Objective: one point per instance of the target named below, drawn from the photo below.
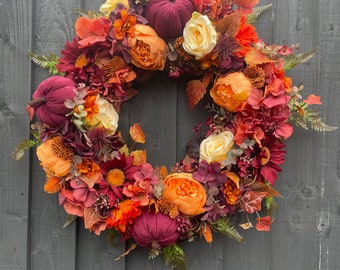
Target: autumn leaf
(261, 187)
(313, 99)
(256, 57)
(90, 217)
(247, 225)
(251, 201)
(137, 133)
(229, 24)
(195, 92)
(263, 223)
(246, 6)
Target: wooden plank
(51, 246)
(328, 218)
(15, 29)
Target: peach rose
(148, 50)
(55, 157)
(185, 192)
(231, 91)
(215, 147)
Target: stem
(37, 101)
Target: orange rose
(185, 192)
(55, 157)
(231, 91)
(148, 50)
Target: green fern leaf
(318, 125)
(223, 226)
(175, 257)
(19, 151)
(299, 120)
(70, 219)
(295, 59)
(47, 62)
(271, 205)
(251, 19)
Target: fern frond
(251, 19)
(299, 120)
(295, 59)
(153, 254)
(175, 257)
(19, 150)
(223, 226)
(318, 125)
(271, 205)
(70, 219)
(47, 62)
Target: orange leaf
(195, 92)
(246, 226)
(139, 157)
(246, 6)
(261, 187)
(137, 133)
(313, 99)
(207, 79)
(90, 217)
(256, 57)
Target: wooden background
(306, 231)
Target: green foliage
(70, 219)
(175, 257)
(19, 150)
(295, 59)
(271, 205)
(310, 118)
(251, 19)
(223, 226)
(47, 62)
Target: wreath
(234, 156)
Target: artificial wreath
(235, 155)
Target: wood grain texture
(51, 246)
(15, 23)
(306, 231)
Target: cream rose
(107, 117)
(215, 147)
(200, 36)
(110, 5)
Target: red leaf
(246, 5)
(90, 217)
(195, 92)
(251, 201)
(263, 223)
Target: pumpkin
(154, 230)
(168, 17)
(49, 100)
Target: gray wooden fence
(306, 232)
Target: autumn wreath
(231, 164)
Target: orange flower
(137, 133)
(124, 215)
(231, 91)
(231, 192)
(148, 50)
(246, 36)
(125, 25)
(185, 192)
(232, 188)
(206, 232)
(53, 184)
(91, 30)
(55, 157)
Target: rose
(110, 5)
(215, 147)
(107, 117)
(55, 157)
(231, 91)
(186, 193)
(148, 50)
(199, 35)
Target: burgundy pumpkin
(154, 230)
(168, 17)
(49, 100)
